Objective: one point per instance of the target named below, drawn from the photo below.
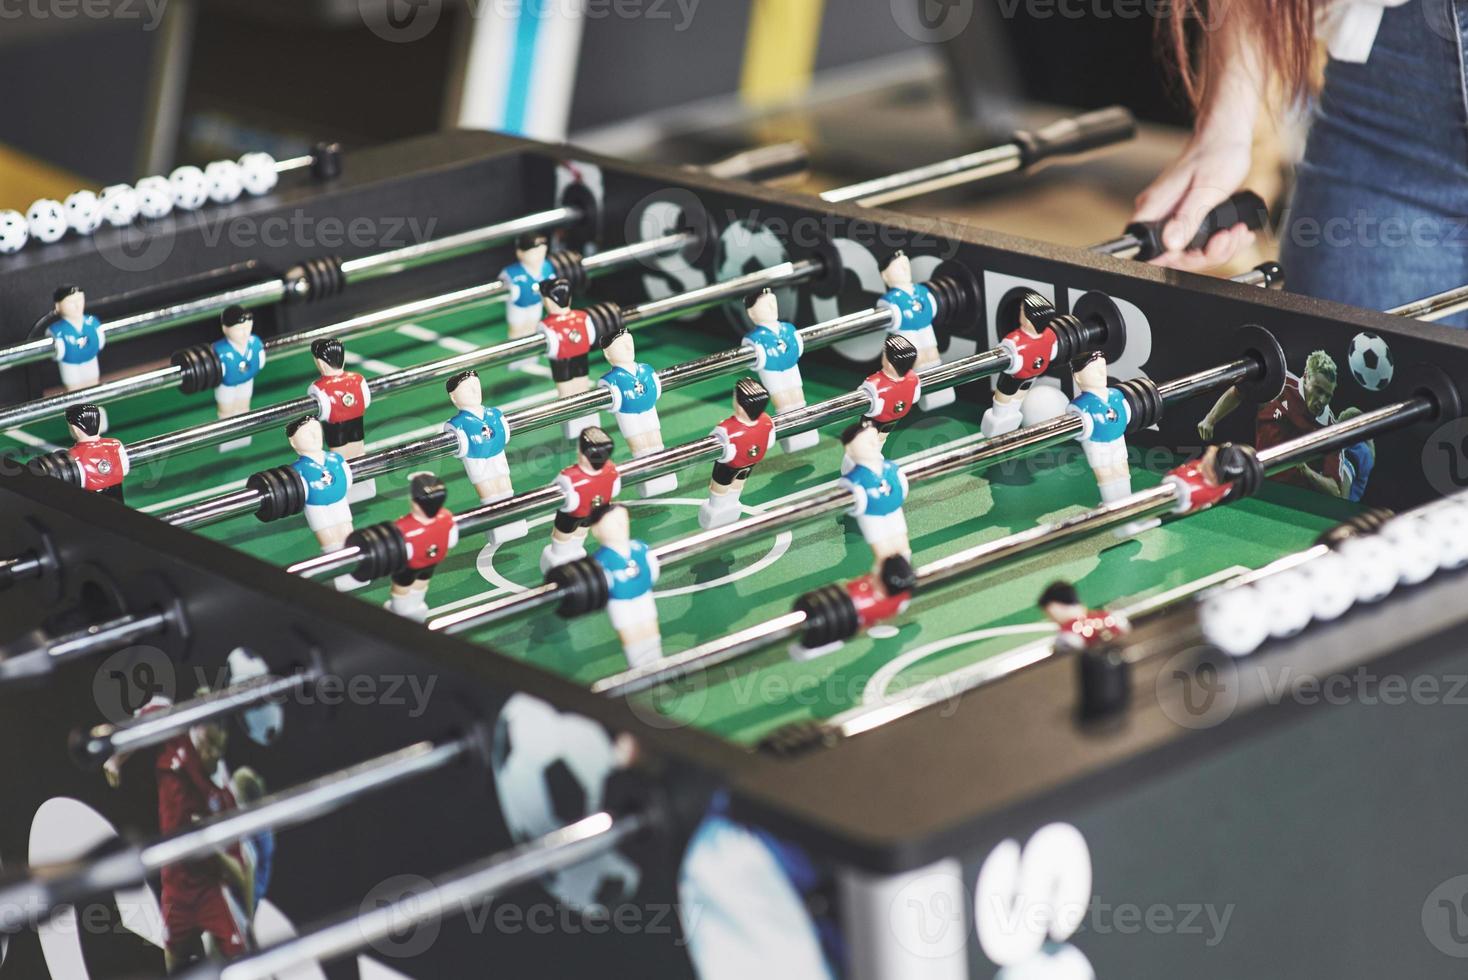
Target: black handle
(763, 163)
(1078, 134)
(1243, 206)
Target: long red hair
(1283, 29)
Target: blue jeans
(1379, 215)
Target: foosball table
(653, 571)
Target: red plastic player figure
(589, 483)
(895, 388)
(746, 436)
(884, 593)
(569, 335)
(1080, 628)
(342, 398)
(1032, 346)
(1207, 480)
(430, 533)
(102, 461)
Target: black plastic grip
(282, 493)
(1077, 134)
(583, 587)
(569, 265)
(383, 551)
(199, 369)
(315, 279)
(830, 616)
(57, 465)
(1243, 206)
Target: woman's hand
(1212, 167)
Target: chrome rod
(103, 637)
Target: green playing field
(951, 627)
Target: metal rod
(966, 169)
(675, 458)
(1438, 306)
(103, 637)
(1341, 434)
(275, 290)
(452, 894)
(94, 746)
(387, 460)
(155, 380)
(20, 568)
(308, 801)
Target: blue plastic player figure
(77, 338)
(777, 350)
(1104, 415)
(241, 358)
(916, 309)
(482, 435)
(327, 479)
(879, 488)
(635, 390)
(523, 278)
(631, 572)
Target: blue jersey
(1104, 419)
(78, 344)
(239, 368)
(634, 391)
(480, 436)
(1362, 461)
(877, 494)
(264, 844)
(326, 482)
(525, 285)
(630, 576)
(777, 348)
(917, 307)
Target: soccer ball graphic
(1371, 361)
(226, 183)
(47, 220)
(84, 212)
(190, 189)
(257, 172)
(14, 232)
(119, 205)
(549, 770)
(155, 197)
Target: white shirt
(1349, 27)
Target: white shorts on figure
(227, 396)
(638, 423)
(1105, 455)
(330, 515)
(484, 470)
(79, 375)
(881, 527)
(631, 613)
(785, 380)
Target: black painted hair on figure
(64, 292)
(235, 315)
(1061, 592)
(294, 427)
(329, 351)
(428, 492)
(597, 513)
(752, 396)
(558, 291)
(1037, 309)
(900, 352)
(595, 445)
(615, 335)
(856, 429)
(897, 574)
(754, 298)
(1085, 359)
(459, 379)
(531, 239)
(87, 418)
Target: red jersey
(428, 544)
(872, 605)
(342, 397)
(1029, 357)
(1287, 418)
(1091, 630)
(567, 335)
(187, 794)
(103, 463)
(891, 400)
(1195, 493)
(745, 445)
(586, 491)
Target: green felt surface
(960, 623)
